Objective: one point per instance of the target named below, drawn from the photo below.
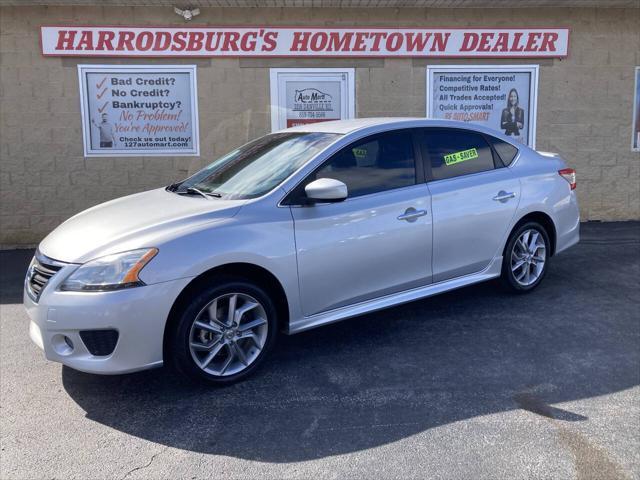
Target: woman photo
(512, 120)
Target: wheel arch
(246, 271)
(543, 219)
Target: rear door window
(456, 152)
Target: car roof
(379, 124)
(351, 125)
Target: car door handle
(503, 196)
(411, 214)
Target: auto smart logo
(312, 99)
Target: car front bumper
(138, 315)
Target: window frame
(297, 198)
(422, 141)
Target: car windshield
(257, 167)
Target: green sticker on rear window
(462, 156)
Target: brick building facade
(584, 101)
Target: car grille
(39, 274)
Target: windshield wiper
(192, 190)
(197, 191)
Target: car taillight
(569, 174)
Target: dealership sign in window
(635, 141)
(503, 98)
(311, 95)
(138, 110)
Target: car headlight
(113, 272)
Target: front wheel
(524, 263)
(225, 332)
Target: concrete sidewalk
(470, 384)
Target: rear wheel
(225, 332)
(525, 259)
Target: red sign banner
(140, 41)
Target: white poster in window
(503, 98)
(139, 110)
(311, 95)
(635, 141)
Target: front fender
(260, 236)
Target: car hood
(135, 221)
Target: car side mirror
(326, 190)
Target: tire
(208, 350)
(527, 276)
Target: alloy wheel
(528, 257)
(228, 334)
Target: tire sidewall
(508, 277)
(180, 351)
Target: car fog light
(62, 344)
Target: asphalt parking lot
(471, 384)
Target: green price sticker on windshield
(462, 156)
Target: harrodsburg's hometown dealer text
(269, 41)
(139, 110)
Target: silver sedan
(294, 230)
